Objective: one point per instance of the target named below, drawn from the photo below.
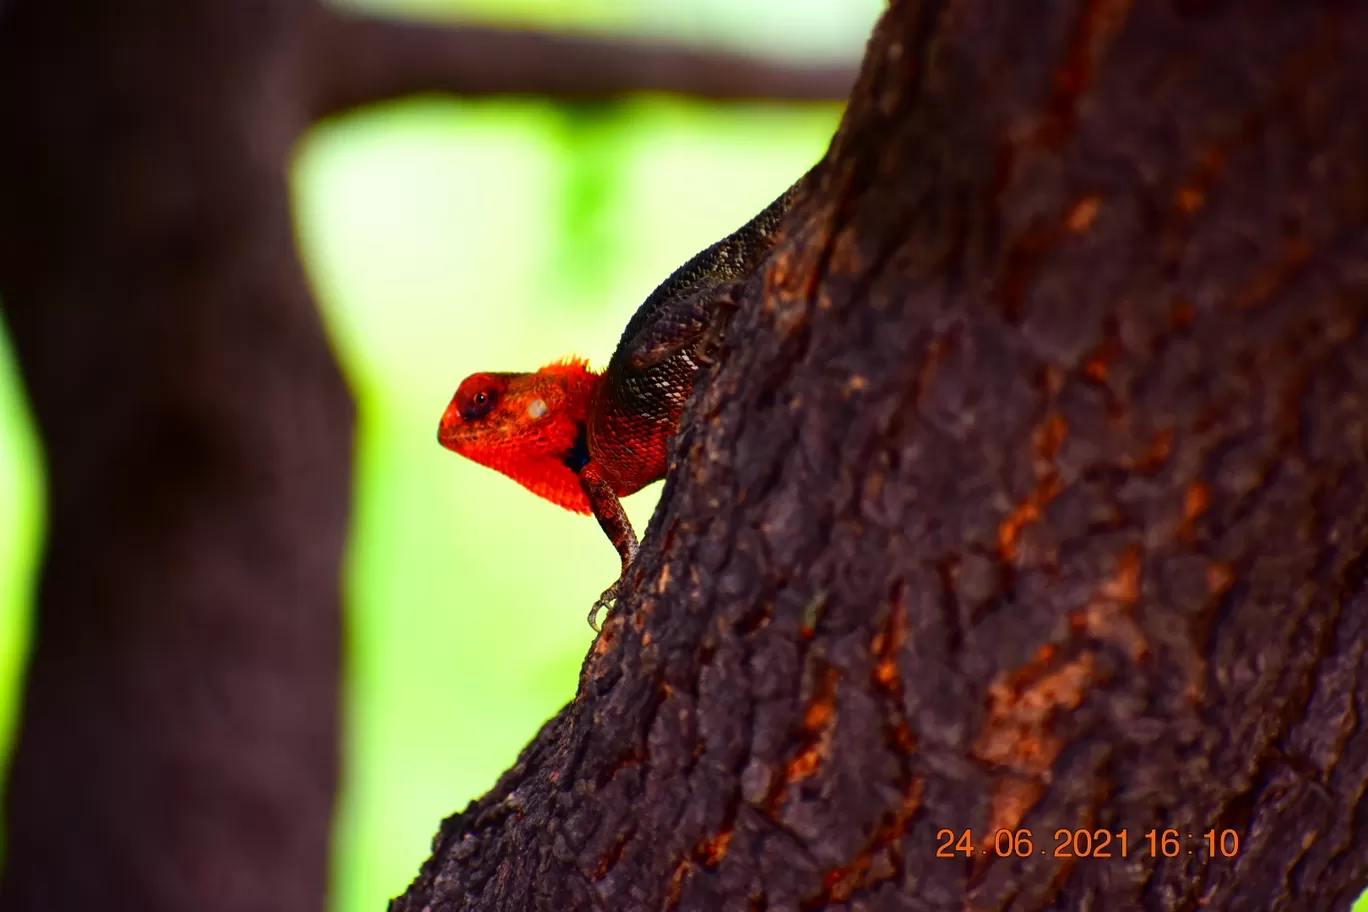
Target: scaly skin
(582, 439)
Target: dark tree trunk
(179, 731)
(1032, 498)
(178, 747)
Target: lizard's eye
(478, 395)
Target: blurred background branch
(357, 59)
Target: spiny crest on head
(570, 365)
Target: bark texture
(1031, 500)
(178, 741)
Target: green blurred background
(444, 237)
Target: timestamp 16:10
(1087, 844)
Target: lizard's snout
(448, 428)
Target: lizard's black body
(636, 408)
(677, 311)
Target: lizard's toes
(605, 603)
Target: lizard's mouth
(449, 430)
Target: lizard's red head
(530, 427)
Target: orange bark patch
(1049, 438)
(780, 270)
(874, 483)
(814, 736)
(790, 283)
(1053, 380)
(614, 855)
(886, 674)
(1210, 168)
(932, 359)
(1012, 798)
(888, 642)
(1124, 587)
(1009, 532)
(1097, 26)
(1025, 252)
(604, 643)
(823, 708)
(1010, 529)
(1083, 213)
(904, 739)
(804, 765)
(1195, 503)
(1109, 613)
(712, 850)
(865, 869)
(1220, 577)
(1100, 361)
(1153, 459)
(677, 878)
(1021, 706)
(887, 645)
(1190, 199)
(1046, 442)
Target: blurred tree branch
(358, 60)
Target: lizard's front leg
(603, 500)
(693, 321)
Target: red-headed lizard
(583, 439)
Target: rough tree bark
(1032, 496)
(179, 734)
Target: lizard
(583, 439)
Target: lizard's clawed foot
(605, 603)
